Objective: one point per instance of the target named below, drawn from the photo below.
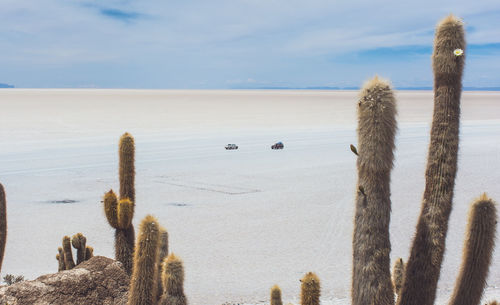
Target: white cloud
(231, 38)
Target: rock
(99, 281)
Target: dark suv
(278, 145)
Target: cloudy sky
(199, 44)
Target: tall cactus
(143, 285)
(424, 265)
(173, 282)
(371, 243)
(276, 295)
(120, 212)
(310, 289)
(478, 249)
(3, 224)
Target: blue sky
(198, 44)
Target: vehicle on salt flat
(278, 145)
(231, 146)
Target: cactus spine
(398, 275)
(3, 224)
(173, 282)
(143, 285)
(276, 295)
(310, 289)
(120, 212)
(478, 249)
(371, 244)
(424, 265)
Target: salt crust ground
(241, 220)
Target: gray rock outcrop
(98, 281)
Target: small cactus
(89, 252)
(276, 295)
(143, 285)
(69, 263)
(79, 243)
(60, 259)
(398, 274)
(173, 282)
(310, 289)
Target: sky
(216, 44)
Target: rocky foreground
(99, 281)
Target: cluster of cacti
(3, 223)
(156, 277)
(416, 282)
(65, 255)
(120, 212)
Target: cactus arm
(478, 249)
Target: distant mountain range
(357, 88)
(6, 86)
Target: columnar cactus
(424, 265)
(79, 243)
(69, 263)
(161, 257)
(478, 249)
(60, 260)
(173, 282)
(371, 244)
(276, 295)
(89, 252)
(310, 289)
(3, 224)
(398, 275)
(127, 167)
(120, 212)
(143, 284)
